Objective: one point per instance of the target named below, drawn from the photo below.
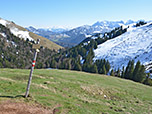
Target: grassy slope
(77, 92)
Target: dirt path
(10, 107)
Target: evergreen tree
(136, 71)
(112, 73)
(104, 70)
(62, 65)
(88, 59)
(146, 81)
(53, 63)
(127, 70)
(131, 70)
(123, 72)
(99, 65)
(68, 65)
(77, 67)
(94, 69)
(141, 74)
(107, 65)
(118, 72)
(86, 67)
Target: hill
(73, 92)
(23, 33)
(18, 53)
(135, 44)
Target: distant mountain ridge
(70, 38)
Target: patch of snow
(87, 36)
(65, 35)
(85, 43)
(81, 60)
(2, 55)
(21, 34)
(3, 34)
(36, 32)
(94, 37)
(96, 32)
(3, 22)
(101, 35)
(13, 43)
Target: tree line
(133, 72)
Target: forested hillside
(81, 56)
(18, 53)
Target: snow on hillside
(14, 30)
(3, 22)
(3, 34)
(21, 34)
(134, 44)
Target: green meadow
(73, 92)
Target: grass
(75, 92)
(45, 42)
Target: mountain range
(72, 37)
(116, 41)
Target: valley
(104, 73)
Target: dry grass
(11, 107)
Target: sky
(73, 13)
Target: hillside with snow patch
(135, 44)
(17, 32)
(24, 34)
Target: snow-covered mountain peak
(128, 22)
(56, 29)
(108, 23)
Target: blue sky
(48, 13)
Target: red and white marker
(33, 63)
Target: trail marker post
(36, 46)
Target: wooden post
(30, 76)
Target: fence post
(33, 65)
